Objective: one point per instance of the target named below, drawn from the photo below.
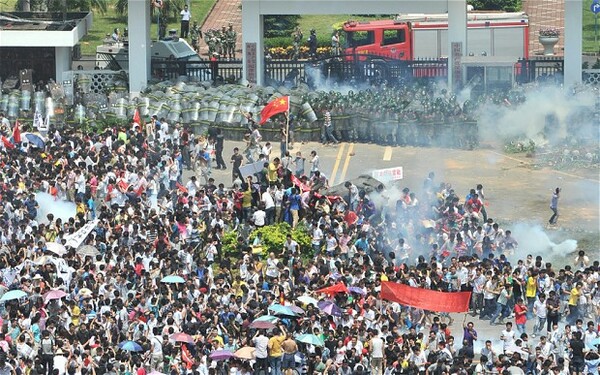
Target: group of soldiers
(221, 43)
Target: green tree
(280, 25)
(170, 7)
(64, 5)
(505, 5)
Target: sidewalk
(223, 13)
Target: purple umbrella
(258, 324)
(357, 290)
(220, 355)
(296, 309)
(330, 308)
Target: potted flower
(548, 38)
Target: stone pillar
(457, 38)
(63, 61)
(573, 41)
(138, 22)
(252, 42)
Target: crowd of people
(158, 295)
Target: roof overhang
(27, 29)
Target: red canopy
(337, 288)
(425, 299)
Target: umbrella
(182, 337)
(337, 288)
(267, 318)
(54, 294)
(330, 308)
(262, 325)
(309, 338)
(130, 346)
(221, 355)
(308, 300)
(35, 139)
(13, 294)
(596, 341)
(87, 251)
(173, 279)
(56, 248)
(357, 290)
(278, 309)
(43, 260)
(154, 372)
(247, 352)
(296, 309)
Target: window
(393, 36)
(360, 38)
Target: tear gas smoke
(48, 205)
(535, 241)
(547, 115)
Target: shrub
(273, 238)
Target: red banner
(424, 298)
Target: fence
(534, 69)
(197, 70)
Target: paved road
(514, 190)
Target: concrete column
(457, 33)
(63, 61)
(252, 42)
(138, 23)
(573, 41)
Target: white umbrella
(56, 248)
(308, 300)
(87, 251)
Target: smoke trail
(534, 240)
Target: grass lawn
(105, 23)
(589, 44)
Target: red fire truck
(416, 36)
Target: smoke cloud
(534, 240)
(548, 115)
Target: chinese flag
(7, 143)
(274, 107)
(17, 132)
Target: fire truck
(421, 36)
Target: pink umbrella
(182, 337)
(262, 325)
(54, 294)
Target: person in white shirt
(261, 353)
(259, 217)
(269, 203)
(508, 337)
(186, 15)
(376, 348)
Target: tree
(280, 25)
(505, 5)
(62, 5)
(170, 7)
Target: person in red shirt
(520, 315)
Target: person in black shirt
(576, 347)
(236, 160)
(219, 141)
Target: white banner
(388, 174)
(76, 239)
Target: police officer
(297, 38)
(195, 34)
(312, 43)
(230, 40)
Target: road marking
(346, 162)
(338, 159)
(387, 154)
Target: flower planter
(548, 42)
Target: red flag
(425, 299)
(17, 132)
(337, 288)
(296, 181)
(181, 188)
(187, 357)
(7, 143)
(136, 117)
(274, 107)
